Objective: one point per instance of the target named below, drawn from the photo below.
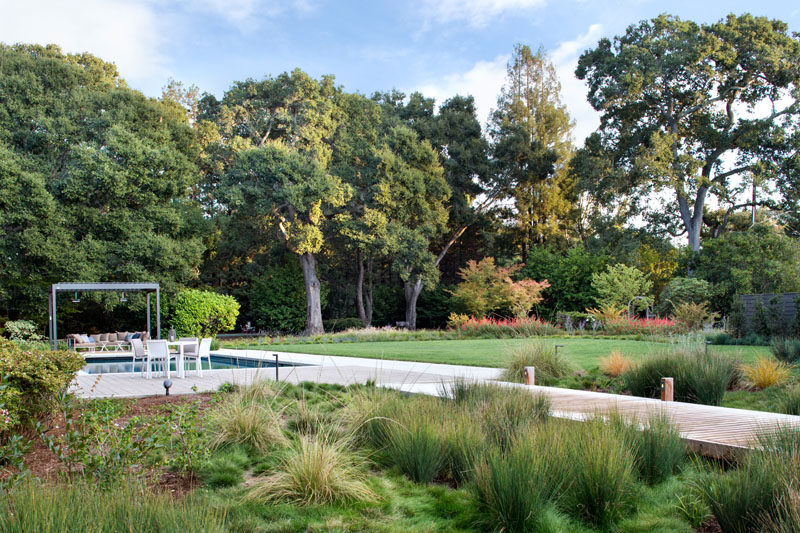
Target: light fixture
(122, 298)
(76, 300)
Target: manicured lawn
(584, 352)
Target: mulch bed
(44, 464)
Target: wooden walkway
(711, 431)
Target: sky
(438, 47)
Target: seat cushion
(103, 337)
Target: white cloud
(574, 91)
(485, 80)
(125, 32)
(477, 13)
(246, 13)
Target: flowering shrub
(33, 377)
(502, 328)
(642, 326)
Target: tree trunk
(412, 290)
(362, 314)
(313, 301)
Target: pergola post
(148, 314)
(55, 320)
(158, 313)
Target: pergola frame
(102, 287)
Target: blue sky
(440, 47)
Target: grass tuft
(550, 366)
(615, 364)
(316, 469)
(237, 421)
(766, 372)
(657, 447)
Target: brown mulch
(44, 464)
(710, 526)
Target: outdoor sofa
(105, 342)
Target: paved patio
(318, 368)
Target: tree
(620, 284)
(456, 136)
(692, 110)
(94, 178)
(285, 188)
(531, 130)
(272, 144)
(204, 313)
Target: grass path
(585, 353)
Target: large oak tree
(691, 111)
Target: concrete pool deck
(332, 369)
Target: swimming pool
(108, 364)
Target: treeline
(307, 202)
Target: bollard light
(707, 345)
(167, 385)
(558, 346)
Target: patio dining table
(181, 371)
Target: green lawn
(584, 352)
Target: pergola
(103, 287)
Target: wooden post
(667, 389)
(530, 375)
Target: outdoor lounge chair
(201, 350)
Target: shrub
(619, 284)
(513, 487)
(786, 350)
(550, 366)
(22, 330)
(606, 312)
(683, 290)
(699, 377)
(693, 315)
(204, 313)
(315, 470)
(335, 325)
(601, 471)
(657, 447)
(615, 364)
(486, 288)
(766, 372)
(241, 422)
(505, 328)
(33, 378)
(642, 326)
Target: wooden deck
(712, 431)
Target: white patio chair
(158, 351)
(203, 350)
(140, 355)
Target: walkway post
(530, 375)
(667, 389)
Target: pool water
(116, 365)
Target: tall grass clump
(237, 421)
(369, 415)
(790, 402)
(316, 469)
(699, 377)
(513, 487)
(786, 350)
(550, 366)
(33, 506)
(416, 443)
(766, 372)
(465, 446)
(601, 470)
(656, 445)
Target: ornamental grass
(766, 372)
